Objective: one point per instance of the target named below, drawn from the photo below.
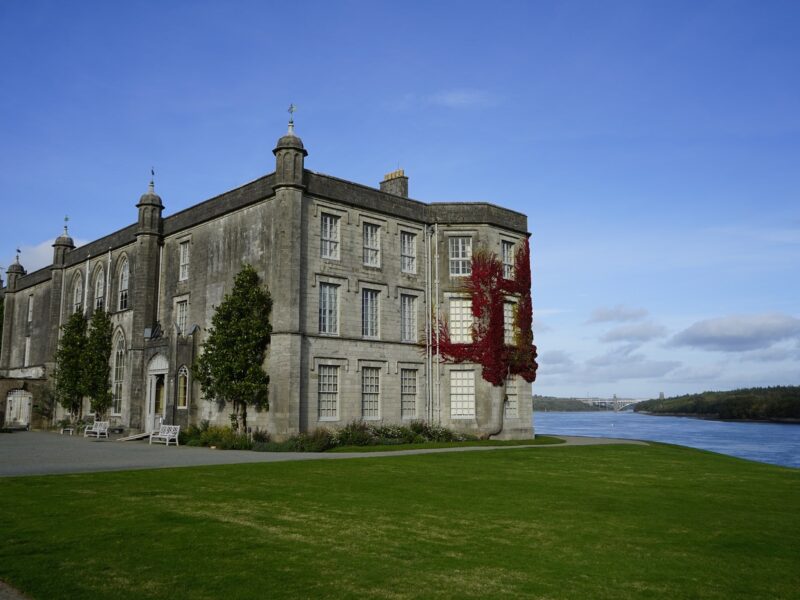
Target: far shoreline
(717, 418)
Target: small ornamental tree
(96, 364)
(229, 368)
(69, 374)
(488, 290)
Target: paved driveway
(46, 453)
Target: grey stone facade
(350, 358)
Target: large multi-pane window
(369, 313)
(408, 393)
(372, 245)
(508, 323)
(77, 296)
(124, 274)
(512, 397)
(508, 259)
(183, 387)
(408, 252)
(460, 256)
(182, 317)
(328, 391)
(183, 273)
(119, 376)
(462, 394)
(30, 308)
(461, 320)
(99, 289)
(328, 308)
(370, 392)
(408, 318)
(329, 235)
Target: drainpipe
(438, 346)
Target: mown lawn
(560, 522)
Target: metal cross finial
(292, 109)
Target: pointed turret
(289, 159)
(63, 244)
(14, 272)
(150, 209)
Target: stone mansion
(356, 275)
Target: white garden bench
(98, 429)
(166, 434)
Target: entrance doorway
(18, 408)
(156, 393)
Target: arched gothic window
(100, 289)
(77, 295)
(183, 387)
(119, 375)
(124, 274)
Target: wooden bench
(98, 429)
(166, 434)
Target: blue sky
(654, 146)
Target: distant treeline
(543, 403)
(758, 404)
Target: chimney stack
(395, 183)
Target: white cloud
(553, 362)
(37, 256)
(739, 333)
(617, 313)
(635, 332)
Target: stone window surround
(462, 404)
(412, 317)
(460, 233)
(176, 302)
(118, 371)
(184, 256)
(371, 244)
(329, 315)
(408, 258)
(383, 295)
(183, 374)
(334, 236)
(342, 365)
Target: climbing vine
(488, 290)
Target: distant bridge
(614, 403)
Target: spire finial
(152, 180)
(18, 253)
(292, 109)
(66, 220)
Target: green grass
(560, 522)
(539, 440)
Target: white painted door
(156, 402)
(18, 408)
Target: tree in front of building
(70, 385)
(489, 290)
(230, 367)
(96, 364)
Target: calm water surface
(773, 443)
